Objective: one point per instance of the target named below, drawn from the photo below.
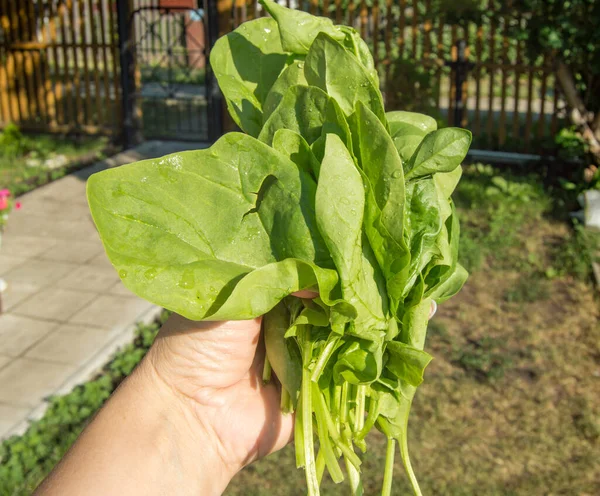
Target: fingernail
(433, 309)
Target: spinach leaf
(408, 130)
(298, 29)
(329, 66)
(407, 363)
(246, 63)
(303, 110)
(292, 75)
(440, 151)
(293, 145)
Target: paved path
(65, 310)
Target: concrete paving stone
(8, 262)
(54, 304)
(112, 312)
(10, 416)
(24, 246)
(70, 344)
(4, 360)
(101, 260)
(17, 333)
(15, 294)
(90, 278)
(75, 252)
(120, 289)
(39, 273)
(26, 382)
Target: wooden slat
(338, 11)
(364, 19)
(76, 75)
(452, 83)
(529, 117)
(8, 70)
(28, 73)
(314, 7)
(19, 86)
(86, 69)
(105, 49)
(502, 123)
(68, 83)
(492, 48)
(118, 113)
(326, 8)
(351, 12)
(401, 28)
(375, 16)
(58, 85)
(94, 35)
(414, 28)
(541, 123)
(427, 27)
(39, 79)
(388, 38)
(554, 123)
(466, 83)
(440, 59)
(516, 124)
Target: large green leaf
(159, 225)
(339, 206)
(292, 75)
(407, 363)
(408, 130)
(384, 214)
(440, 151)
(299, 29)
(303, 110)
(293, 145)
(329, 66)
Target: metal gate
(166, 74)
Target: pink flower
(17, 205)
(4, 193)
(3, 202)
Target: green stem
(320, 466)
(266, 375)
(286, 401)
(335, 435)
(371, 419)
(326, 447)
(388, 475)
(307, 421)
(359, 415)
(344, 404)
(299, 436)
(330, 347)
(356, 488)
(403, 441)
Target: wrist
(186, 438)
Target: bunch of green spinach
(324, 191)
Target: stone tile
(24, 246)
(101, 260)
(70, 344)
(90, 278)
(17, 334)
(10, 416)
(112, 312)
(120, 289)
(38, 273)
(8, 262)
(26, 382)
(54, 304)
(75, 252)
(4, 360)
(15, 294)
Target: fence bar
(402, 26)
(86, 69)
(502, 122)
(541, 124)
(375, 16)
(491, 72)
(517, 114)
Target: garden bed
(28, 161)
(508, 406)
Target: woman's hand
(215, 369)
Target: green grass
(23, 157)
(509, 405)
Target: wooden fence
(59, 68)
(511, 99)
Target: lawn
(510, 403)
(28, 161)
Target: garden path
(65, 312)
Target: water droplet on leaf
(122, 273)
(397, 174)
(187, 280)
(150, 274)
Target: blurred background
(511, 402)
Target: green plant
(326, 192)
